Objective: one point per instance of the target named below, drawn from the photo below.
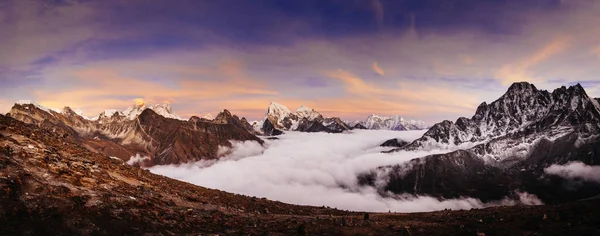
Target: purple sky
(424, 59)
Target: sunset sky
(422, 59)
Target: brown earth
(50, 185)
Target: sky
(422, 59)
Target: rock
(394, 143)
(302, 230)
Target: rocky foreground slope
(50, 184)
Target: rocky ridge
(504, 148)
(279, 119)
(159, 140)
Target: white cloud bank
(575, 170)
(309, 168)
(137, 159)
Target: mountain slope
(158, 140)
(522, 110)
(504, 148)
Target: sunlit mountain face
(301, 116)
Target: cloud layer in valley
(310, 168)
(575, 170)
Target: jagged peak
(35, 104)
(194, 119)
(278, 109)
(519, 89)
(67, 110)
(307, 112)
(139, 106)
(110, 113)
(519, 86)
(208, 116)
(304, 108)
(147, 112)
(225, 112)
(394, 122)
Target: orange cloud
(139, 102)
(377, 69)
(596, 51)
(101, 85)
(354, 84)
(520, 70)
(406, 98)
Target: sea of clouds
(310, 168)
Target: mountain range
(503, 149)
(150, 135)
(57, 161)
(51, 184)
(153, 133)
(280, 118)
(395, 122)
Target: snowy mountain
(150, 132)
(504, 149)
(306, 119)
(522, 110)
(308, 113)
(279, 118)
(208, 116)
(162, 109)
(395, 122)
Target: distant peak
(278, 108)
(35, 104)
(161, 109)
(67, 110)
(577, 87)
(520, 86)
(304, 108)
(226, 112)
(275, 104)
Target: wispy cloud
(379, 11)
(435, 68)
(521, 70)
(375, 66)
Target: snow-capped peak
(108, 113)
(278, 110)
(395, 122)
(165, 111)
(308, 113)
(67, 111)
(208, 116)
(162, 109)
(29, 102)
